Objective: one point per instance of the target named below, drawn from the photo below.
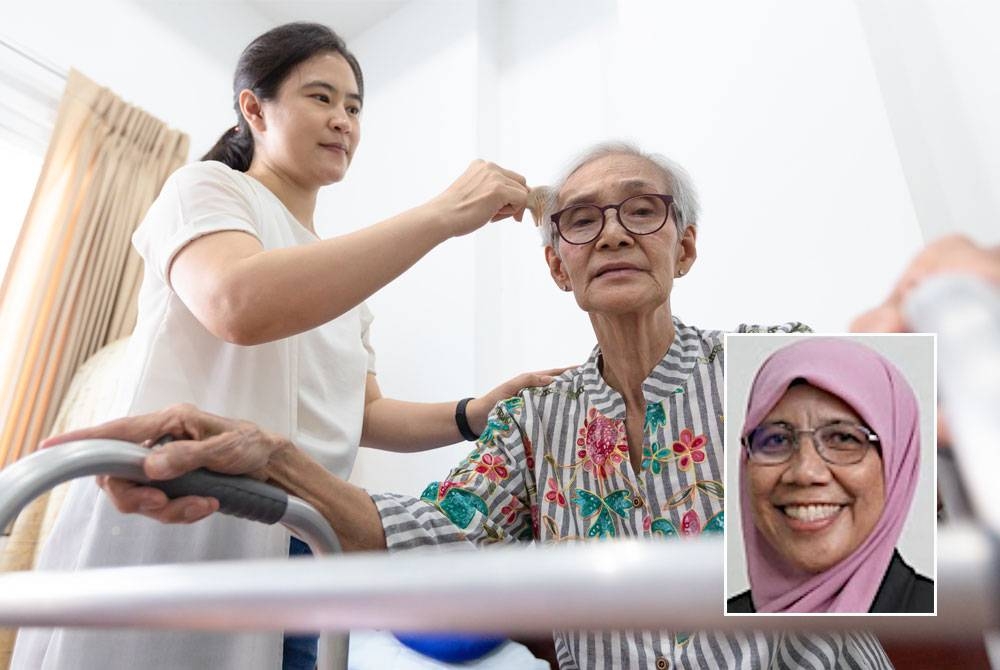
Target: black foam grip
(238, 496)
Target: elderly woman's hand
(202, 440)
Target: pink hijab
(879, 393)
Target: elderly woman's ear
(557, 269)
(687, 251)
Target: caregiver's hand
(485, 192)
(202, 440)
(952, 254)
(478, 409)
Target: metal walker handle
(243, 497)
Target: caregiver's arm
(398, 425)
(486, 498)
(231, 447)
(246, 295)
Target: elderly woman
(627, 445)
(821, 521)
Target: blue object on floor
(450, 647)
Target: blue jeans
(300, 651)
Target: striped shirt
(553, 465)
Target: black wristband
(462, 421)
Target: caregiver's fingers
(886, 318)
(944, 437)
(509, 211)
(555, 372)
(510, 174)
(484, 192)
(514, 196)
(537, 378)
(953, 253)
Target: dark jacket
(902, 590)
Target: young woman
(244, 311)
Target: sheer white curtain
(936, 64)
(29, 98)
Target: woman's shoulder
(540, 401)
(787, 327)
(212, 172)
(741, 603)
(568, 382)
(712, 340)
(197, 199)
(205, 188)
(903, 589)
(922, 599)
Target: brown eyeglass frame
(668, 200)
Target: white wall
(182, 78)
(420, 129)
(775, 109)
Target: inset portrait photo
(831, 497)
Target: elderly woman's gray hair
(685, 196)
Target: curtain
(73, 279)
(90, 393)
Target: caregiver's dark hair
(262, 68)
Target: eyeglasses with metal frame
(838, 443)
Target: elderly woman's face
(813, 513)
(620, 272)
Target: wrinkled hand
(478, 409)
(484, 192)
(955, 253)
(202, 440)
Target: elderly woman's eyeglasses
(639, 215)
(837, 443)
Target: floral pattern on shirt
(589, 503)
(602, 442)
(689, 449)
(492, 466)
(569, 478)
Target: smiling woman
(828, 469)
(815, 506)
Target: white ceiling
(221, 28)
(349, 18)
